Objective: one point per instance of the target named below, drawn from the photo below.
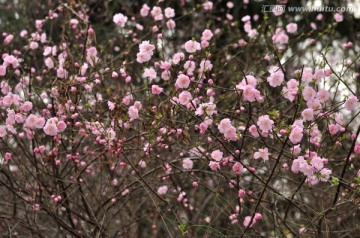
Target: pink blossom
(162, 190)
(11, 60)
(203, 127)
(229, 5)
(119, 19)
(265, 123)
(291, 27)
(247, 220)
(142, 57)
(289, 94)
(138, 105)
(308, 93)
(91, 56)
(338, 17)
(250, 93)
(8, 156)
(156, 90)
(49, 63)
(214, 165)
(296, 134)
(237, 168)
(40, 122)
(53, 126)
(20, 118)
(230, 134)
(357, 149)
(189, 66)
(144, 11)
(307, 75)
(262, 153)
(184, 97)
(252, 33)
(208, 6)
(182, 81)
(276, 76)
(315, 105)
(298, 164)
(114, 75)
(253, 131)
(30, 121)
(171, 24)
(150, 73)
(333, 129)
(27, 106)
(50, 130)
(318, 75)
(308, 114)
(133, 113)
(280, 38)
(206, 108)
(61, 126)
(187, 164)
(127, 99)
(351, 103)
(83, 69)
(192, 46)
(33, 45)
(296, 149)
(156, 13)
(177, 58)
(317, 163)
(292, 84)
(224, 125)
(325, 174)
(204, 44)
(169, 12)
(207, 35)
(145, 46)
(61, 73)
(8, 39)
(7, 100)
(205, 65)
(2, 70)
(146, 51)
(3, 131)
(323, 95)
(23, 33)
(111, 105)
(217, 155)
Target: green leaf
(334, 181)
(182, 228)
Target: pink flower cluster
(192, 46)
(297, 132)
(134, 110)
(313, 167)
(252, 33)
(53, 126)
(280, 38)
(265, 123)
(227, 129)
(119, 19)
(262, 153)
(291, 89)
(146, 50)
(247, 220)
(276, 76)
(248, 87)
